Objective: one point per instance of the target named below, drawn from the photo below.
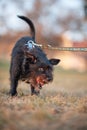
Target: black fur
(29, 63)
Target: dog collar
(31, 45)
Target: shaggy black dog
(29, 63)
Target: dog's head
(40, 67)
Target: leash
(78, 49)
(31, 44)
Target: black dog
(30, 64)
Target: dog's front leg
(34, 91)
(15, 72)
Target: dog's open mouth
(41, 81)
(37, 82)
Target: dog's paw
(12, 93)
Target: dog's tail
(30, 23)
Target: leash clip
(31, 45)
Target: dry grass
(62, 105)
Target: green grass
(62, 105)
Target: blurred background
(61, 23)
(62, 103)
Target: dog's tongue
(38, 80)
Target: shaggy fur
(29, 63)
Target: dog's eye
(41, 69)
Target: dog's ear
(30, 57)
(54, 61)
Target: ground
(62, 105)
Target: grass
(62, 105)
